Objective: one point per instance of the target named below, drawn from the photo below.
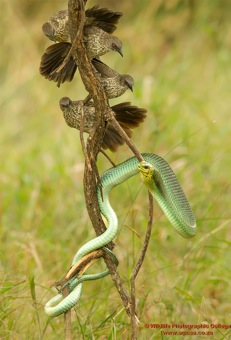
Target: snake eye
(146, 167)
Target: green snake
(59, 305)
(160, 179)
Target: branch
(127, 140)
(81, 127)
(80, 267)
(94, 142)
(108, 158)
(67, 317)
(139, 263)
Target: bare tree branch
(139, 263)
(80, 267)
(82, 121)
(108, 158)
(67, 317)
(94, 142)
(127, 140)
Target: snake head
(146, 170)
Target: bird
(114, 83)
(127, 115)
(57, 27)
(97, 42)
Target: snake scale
(160, 179)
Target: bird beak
(130, 87)
(120, 52)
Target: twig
(81, 128)
(139, 263)
(147, 238)
(106, 155)
(67, 316)
(80, 267)
(127, 140)
(59, 69)
(98, 179)
(86, 100)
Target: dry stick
(80, 267)
(65, 61)
(76, 30)
(137, 268)
(108, 158)
(127, 140)
(98, 179)
(86, 100)
(92, 205)
(94, 142)
(67, 316)
(81, 127)
(93, 86)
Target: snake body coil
(160, 179)
(163, 185)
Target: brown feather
(128, 115)
(53, 58)
(103, 18)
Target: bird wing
(53, 58)
(112, 139)
(103, 18)
(128, 115)
(104, 70)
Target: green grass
(180, 58)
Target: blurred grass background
(179, 55)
